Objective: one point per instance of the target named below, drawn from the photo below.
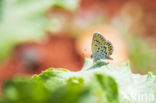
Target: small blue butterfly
(101, 48)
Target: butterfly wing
(98, 46)
(109, 49)
(101, 48)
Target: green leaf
(98, 82)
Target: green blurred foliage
(23, 20)
(142, 55)
(61, 86)
(98, 82)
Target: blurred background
(39, 34)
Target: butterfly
(101, 48)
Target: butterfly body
(101, 48)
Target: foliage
(23, 20)
(142, 55)
(97, 82)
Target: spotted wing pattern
(101, 48)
